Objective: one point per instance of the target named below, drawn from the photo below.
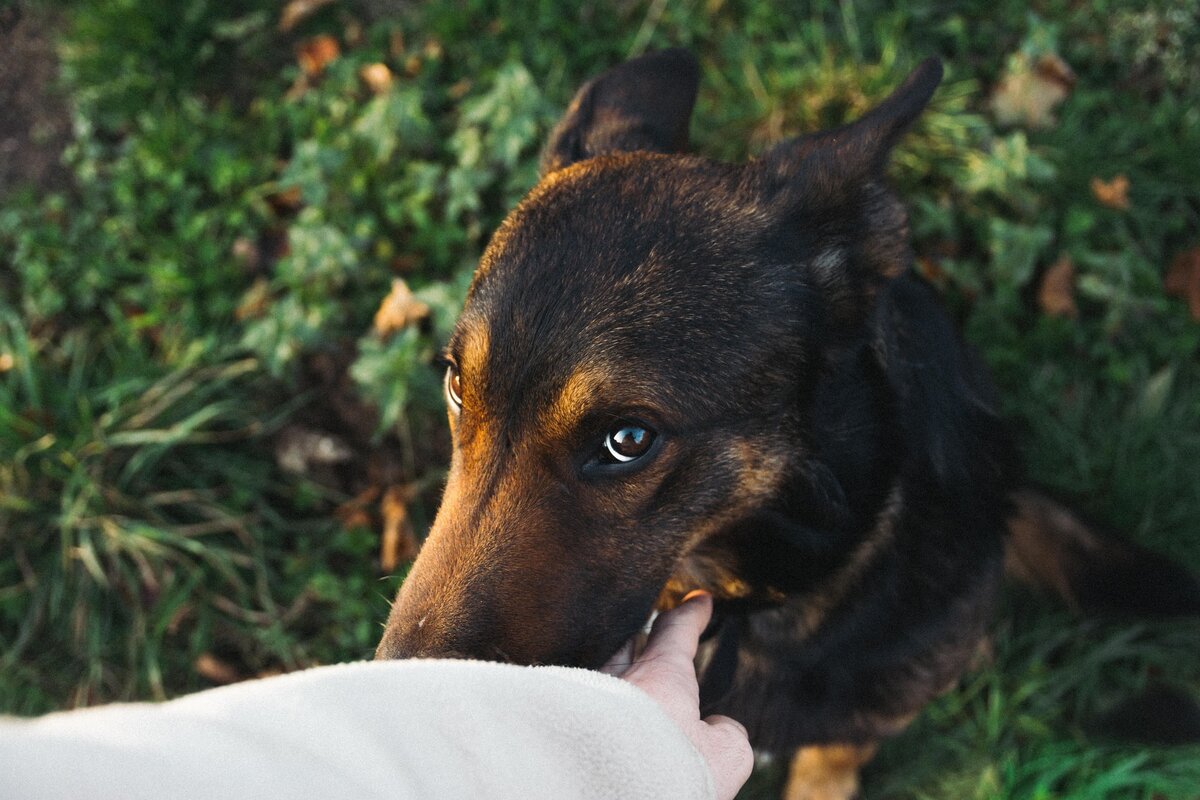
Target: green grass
(172, 313)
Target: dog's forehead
(628, 264)
(621, 240)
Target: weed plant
(208, 280)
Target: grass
(204, 289)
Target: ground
(219, 442)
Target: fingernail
(695, 593)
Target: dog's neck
(845, 474)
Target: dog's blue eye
(628, 443)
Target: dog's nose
(406, 637)
(432, 634)
(397, 644)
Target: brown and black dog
(673, 373)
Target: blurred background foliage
(220, 427)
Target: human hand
(666, 672)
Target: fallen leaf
(317, 53)
(398, 310)
(405, 263)
(1029, 92)
(398, 543)
(929, 269)
(1056, 295)
(297, 11)
(377, 77)
(1183, 280)
(396, 43)
(7, 362)
(255, 301)
(1114, 193)
(297, 89)
(217, 670)
(177, 618)
(285, 202)
(355, 512)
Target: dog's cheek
(751, 475)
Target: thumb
(727, 750)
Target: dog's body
(674, 374)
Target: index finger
(677, 632)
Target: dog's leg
(827, 772)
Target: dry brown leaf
(1183, 280)
(396, 43)
(459, 89)
(1029, 93)
(297, 11)
(286, 201)
(355, 512)
(1056, 295)
(398, 543)
(255, 301)
(377, 77)
(405, 263)
(1114, 193)
(7, 362)
(180, 615)
(297, 89)
(399, 309)
(217, 670)
(930, 269)
(352, 32)
(317, 53)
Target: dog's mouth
(632, 650)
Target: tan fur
(474, 348)
(1043, 539)
(833, 591)
(827, 772)
(760, 472)
(576, 397)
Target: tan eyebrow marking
(473, 349)
(471, 345)
(575, 397)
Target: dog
(672, 373)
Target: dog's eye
(454, 387)
(626, 443)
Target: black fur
(916, 615)
(829, 461)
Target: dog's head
(629, 376)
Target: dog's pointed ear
(643, 104)
(833, 183)
(834, 163)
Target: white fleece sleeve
(399, 729)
